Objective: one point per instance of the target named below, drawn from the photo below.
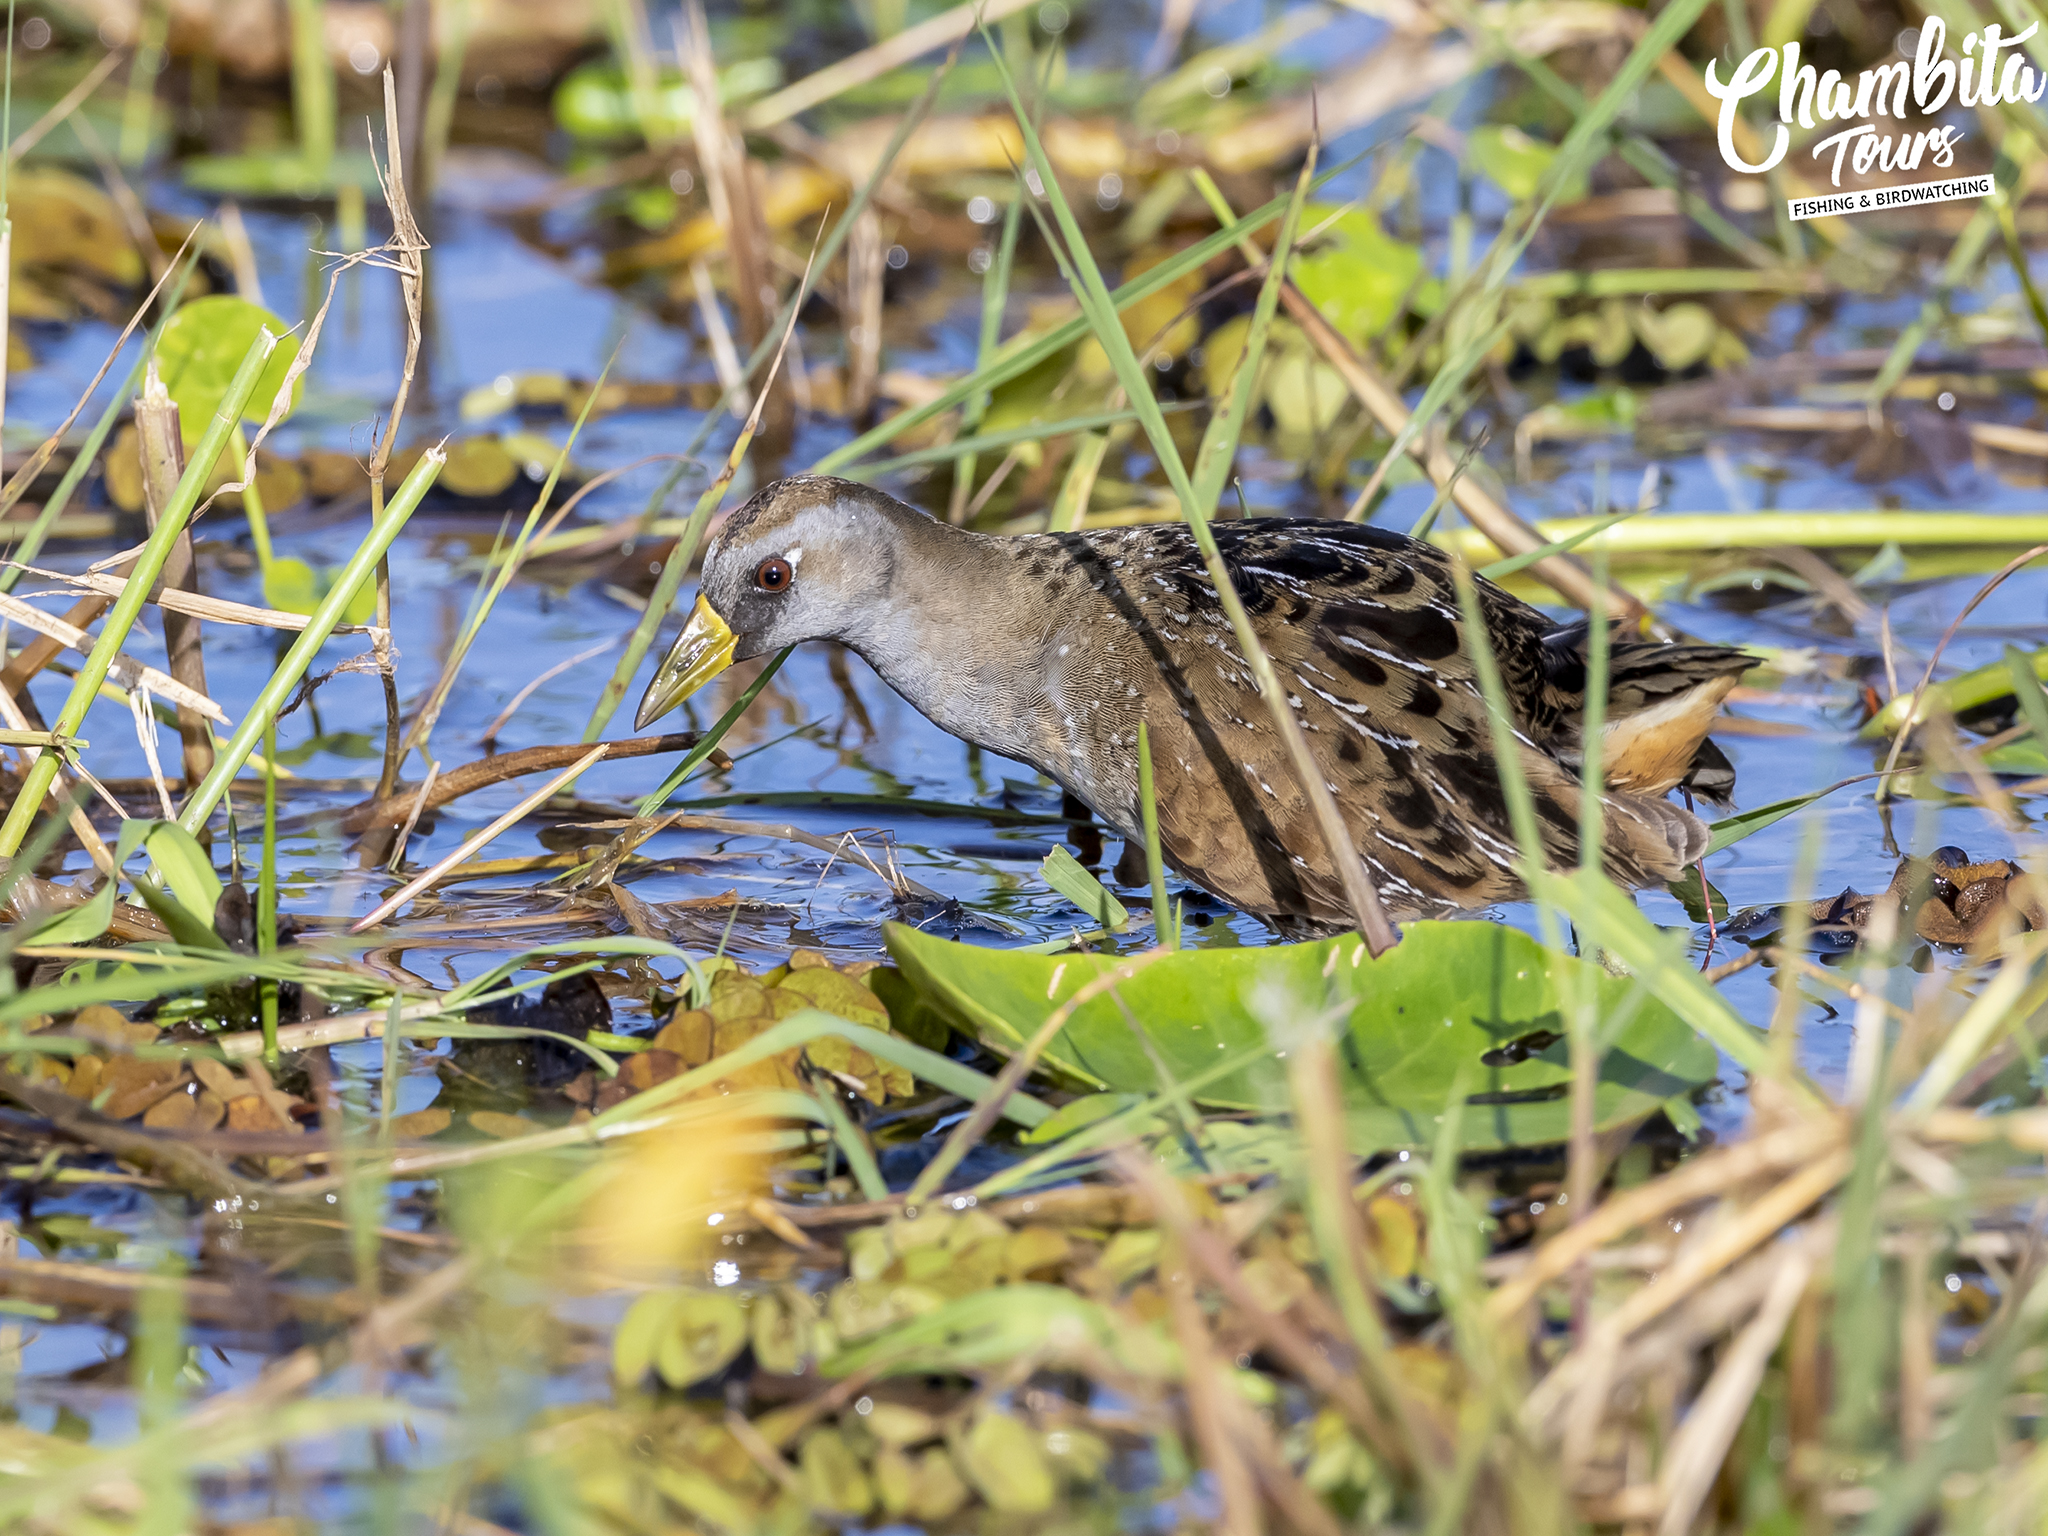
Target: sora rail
(1050, 649)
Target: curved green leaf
(1452, 998)
(186, 868)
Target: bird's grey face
(799, 562)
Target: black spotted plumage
(1051, 648)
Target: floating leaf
(832, 1475)
(276, 173)
(1604, 331)
(781, 1324)
(703, 1333)
(1471, 999)
(291, 585)
(988, 1327)
(422, 1123)
(594, 101)
(1677, 337)
(1361, 277)
(1303, 392)
(63, 221)
(477, 467)
(926, 1488)
(639, 1335)
(201, 347)
(899, 1425)
(1006, 1461)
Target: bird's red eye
(774, 575)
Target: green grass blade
(299, 658)
(1500, 570)
(148, 566)
(712, 737)
(1030, 432)
(423, 723)
(2026, 687)
(1155, 860)
(1024, 359)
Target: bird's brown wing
(1365, 633)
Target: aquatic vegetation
(428, 1108)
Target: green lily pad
(295, 587)
(1679, 336)
(1471, 1001)
(478, 466)
(201, 347)
(1360, 278)
(685, 1336)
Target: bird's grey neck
(968, 664)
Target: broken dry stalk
(163, 463)
(148, 567)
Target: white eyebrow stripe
(796, 556)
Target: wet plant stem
(1581, 1172)
(266, 894)
(252, 505)
(312, 90)
(1155, 860)
(161, 446)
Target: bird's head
(809, 558)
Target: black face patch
(751, 612)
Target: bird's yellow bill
(702, 651)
